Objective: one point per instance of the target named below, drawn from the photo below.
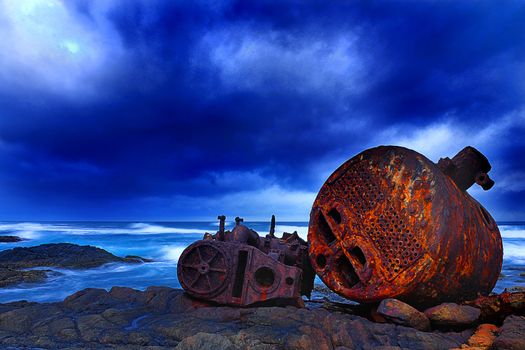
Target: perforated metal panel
(367, 188)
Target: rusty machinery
(391, 223)
(239, 267)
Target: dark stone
(164, 318)
(403, 314)
(63, 255)
(137, 259)
(450, 315)
(512, 334)
(10, 239)
(10, 276)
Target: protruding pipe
(465, 168)
(222, 220)
(484, 181)
(272, 227)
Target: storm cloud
(172, 110)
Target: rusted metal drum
(389, 223)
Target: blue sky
(170, 110)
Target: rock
(452, 315)
(137, 259)
(10, 276)
(63, 255)
(512, 334)
(166, 318)
(482, 339)
(10, 239)
(206, 341)
(403, 314)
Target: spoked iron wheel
(203, 269)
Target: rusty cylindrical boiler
(391, 223)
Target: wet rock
(10, 239)
(403, 314)
(165, 318)
(11, 276)
(512, 334)
(137, 259)
(450, 315)
(63, 255)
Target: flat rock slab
(165, 318)
(453, 315)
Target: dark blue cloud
(111, 108)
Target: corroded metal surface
(239, 267)
(390, 223)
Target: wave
(156, 229)
(172, 253)
(26, 230)
(31, 230)
(512, 231)
(514, 253)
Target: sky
(183, 110)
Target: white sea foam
(155, 229)
(514, 253)
(172, 252)
(34, 230)
(27, 230)
(512, 231)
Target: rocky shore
(164, 318)
(167, 318)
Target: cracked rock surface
(163, 318)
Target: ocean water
(164, 242)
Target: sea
(164, 242)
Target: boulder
(450, 315)
(403, 314)
(512, 334)
(482, 339)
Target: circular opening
(289, 281)
(321, 261)
(264, 276)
